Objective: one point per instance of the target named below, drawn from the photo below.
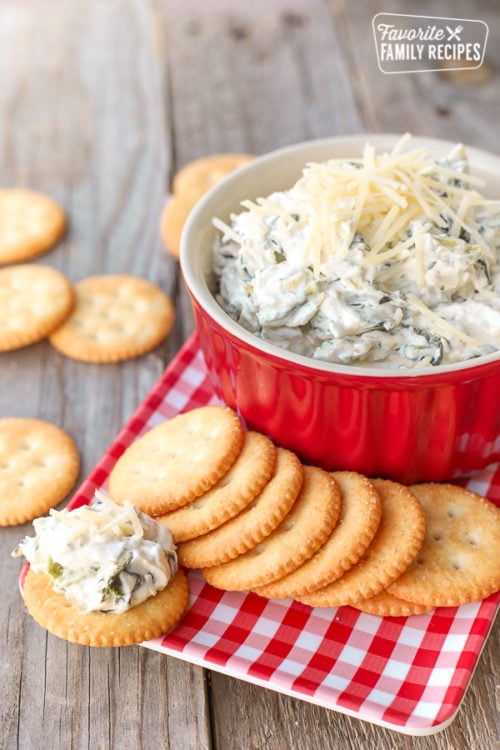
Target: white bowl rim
(198, 287)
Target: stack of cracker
(252, 516)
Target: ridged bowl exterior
(419, 429)
(435, 425)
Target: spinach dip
(102, 556)
(389, 260)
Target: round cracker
(359, 520)
(150, 619)
(201, 174)
(178, 460)
(39, 465)
(189, 184)
(116, 317)
(31, 223)
(301, 533)
(253, 524)
(459, 561)
(248, 475)
(34, 300)
(172, 220)
(385, 604)
(398, 539)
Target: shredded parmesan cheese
(379, 194)
(441, 325)
(391, 258)
(226, 230)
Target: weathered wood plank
(458, 106)
(82, 118)
(255, 82)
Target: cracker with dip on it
(103, 575)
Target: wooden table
(100, 102)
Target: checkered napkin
(409, 674)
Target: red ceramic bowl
(428, 424)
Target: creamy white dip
(102, 556)
(391, 260)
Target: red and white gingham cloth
(409, 674)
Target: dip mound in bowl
(350, 308)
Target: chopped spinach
(54, 569)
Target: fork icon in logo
(454, 34)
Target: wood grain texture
(82, 118)
(101, 101)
